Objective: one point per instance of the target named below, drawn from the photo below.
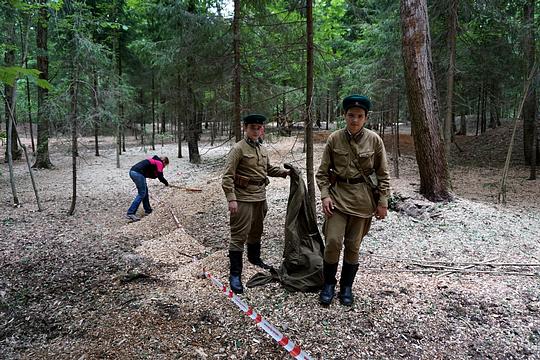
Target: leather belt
(351, 180)
(257, 182)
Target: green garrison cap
(254, 119)
(360, 101)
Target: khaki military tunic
(250, 160)
(351, 157)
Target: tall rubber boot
(329, 286)
(254, 256)
(348, 273)
(235, 278)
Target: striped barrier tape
(281, 339)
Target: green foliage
(9, 75)
(185, 47)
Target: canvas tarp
(301, 268)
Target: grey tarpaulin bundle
(301, 269)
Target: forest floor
(92, 286)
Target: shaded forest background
(164, 71)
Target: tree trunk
(530, 107)
(452, 33)
(10, 91)
(309, 107)
(121, 126)
(463, 125)
(483, 111)
(74, 125)
(328, 107)
(395, 152)
(142, 120)
(9, 131)
(42, 155)
(29, 107)
(492, 106)
(162, 116)
(423, 104)
(236, 75)
(153, 112)
(179, 112)
(478, 108)
(96, 112)
(192, 135)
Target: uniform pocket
(365, 160)
(341, 158)
(250, 160)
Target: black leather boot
(254, 256)
(235, 279)
(348, 273)
(329, 286)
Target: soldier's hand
(233, 207)
(381, 212)
(327, 206)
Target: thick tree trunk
(423, 104)
(530, 107)
(192, 133)
(236, 75)
(310, 174)
(42, 155)
(452, 33)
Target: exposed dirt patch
(92, 286)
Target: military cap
(254, 119)
(360, 101)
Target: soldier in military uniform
(244, 183)
(353, 169)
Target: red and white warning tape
(282, 340)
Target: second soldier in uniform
(353, 164)
(244, 183)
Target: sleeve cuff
(325, 193)
(383, 201)
(230, 197)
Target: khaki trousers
(342, 229)
(247, 224)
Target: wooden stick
(449, 262)
(464, 268)
(479, 263)
(458, 271)
(502, 190)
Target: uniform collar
(356, 137)
(253, 143)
